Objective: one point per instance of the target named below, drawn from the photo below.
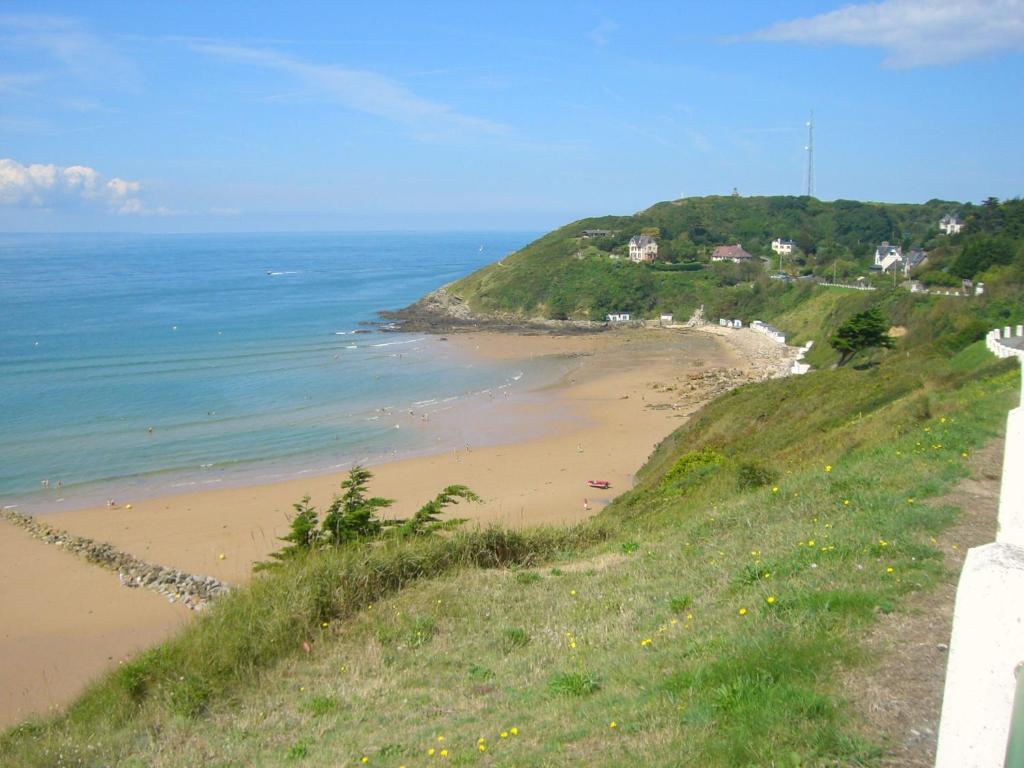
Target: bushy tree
(862, 331)
(426, 519)
(302, 536)
(352, 515)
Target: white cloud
(75, 50)
(52, 186)
(913, 33)
(357, 89)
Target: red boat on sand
(599, 484)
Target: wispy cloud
(53, 186)
(913, 33)
(601, 35)
(65, 44)
(358, 89)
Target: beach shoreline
(622, 392)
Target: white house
(733, 253)
(886, 256)
(783, 246)
(618, 317)
(642, 248)
(950, 224)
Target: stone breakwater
(191, 590)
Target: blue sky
(157, 116)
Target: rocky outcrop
(191, 590)
(442, 311)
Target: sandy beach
(65, 621)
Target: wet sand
(621, 396)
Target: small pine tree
(426, 519)
(352, 515)
(862, 331)
(302, 536)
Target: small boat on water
(599, 484)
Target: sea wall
(191, 590)
(986, 649)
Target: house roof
(730, 252)
(888, 250)
(916, 256)
(641, 240)
(785, 241)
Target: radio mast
(810, 155)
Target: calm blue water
(237, 350)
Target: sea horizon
(137, 365)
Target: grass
(699, 620)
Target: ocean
(147, 364)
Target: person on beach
(586, 505)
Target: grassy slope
(707, 622)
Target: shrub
(680, 604)
(574, 684)
(750, 474)
(512, 638)
(318, 706)
(692, 468)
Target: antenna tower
(810, 155)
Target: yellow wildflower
(504, 734)
(443, 753)
(613, 724)
(514, 731)
(828, 467)
(770, 599)
(743, 611)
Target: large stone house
(642, 248)
(950, 224)
(733, 253)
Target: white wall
(987, 642)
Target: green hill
(565, 275)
